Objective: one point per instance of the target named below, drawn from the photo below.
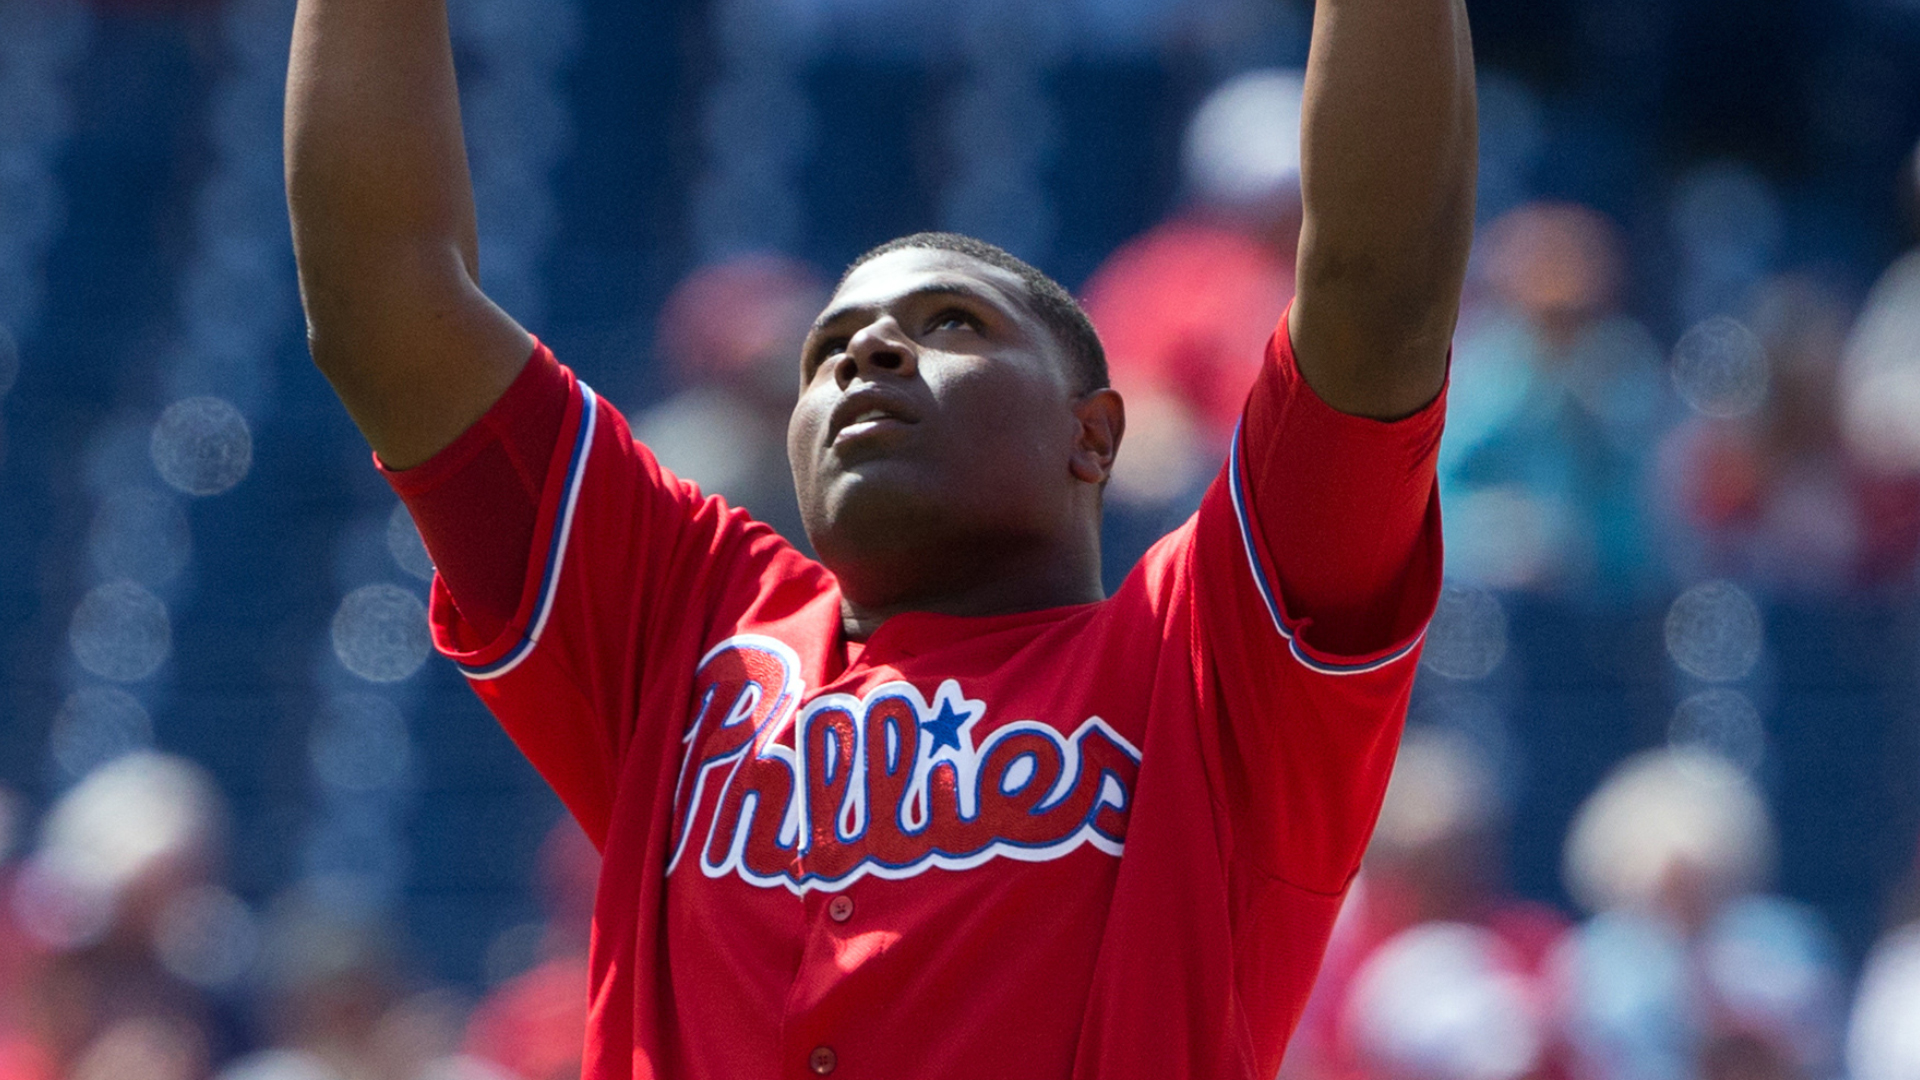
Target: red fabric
(1352, 494)
(475, 502)
(1099, 841)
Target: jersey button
(840, 908)
(822, 1060)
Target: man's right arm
(383, 226)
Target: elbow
(1374, 323)
(344, 277)
(1402, 272)
(1395, 297)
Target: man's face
(935, 414)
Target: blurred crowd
(124, 956)
(1685, 966)
(1770, 437)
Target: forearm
(383, 224)
(1388, 148)
(375, 158)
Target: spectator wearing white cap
(122, 901)
(1688, 968)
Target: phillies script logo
(891, 784)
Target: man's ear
(1103, 420)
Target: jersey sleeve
(1315, 566)
(618, 569)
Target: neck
(975, 580)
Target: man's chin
(876, 487)
(866, 512)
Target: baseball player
(930, 806)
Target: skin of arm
(1388, 156)
(383, 226)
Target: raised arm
(1388, 148)
(383, 226)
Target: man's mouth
(862, 415)
(867, 423)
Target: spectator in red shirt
(1184, 308)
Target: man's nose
(881, 346)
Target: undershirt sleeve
(476, 503)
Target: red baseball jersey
(1102, 841)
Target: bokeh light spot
(207, 937)
(403, 540)
(1720, 368)
(95, 725)
(1467, 638)
(380, 633)
(141, 535)
(121, 632)
(201, 446)
(1723, 722)
(1714, 632)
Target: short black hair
(1063, 315)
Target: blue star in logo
(945, 728)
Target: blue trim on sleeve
(1270, 595)
(556, 548)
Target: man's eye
(954, 320)
(825, 352)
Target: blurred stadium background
(248, 827)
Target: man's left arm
(1337, 443)
(1388, 147)
(1317, 555)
